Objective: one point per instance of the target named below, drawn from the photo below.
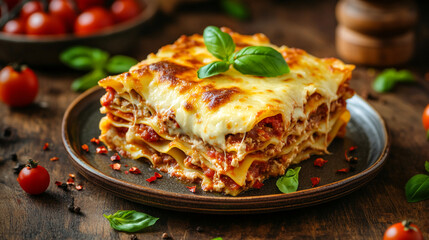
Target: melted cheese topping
(230, 102)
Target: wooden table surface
(310, 25)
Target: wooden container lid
(359, 48)
(376, 17)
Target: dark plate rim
(359, 179)
(145, 15)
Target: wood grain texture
(364, 214)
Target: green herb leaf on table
(218, 43)
(427, 166)
(289, 182)
(218, 238)
(119, 64)
(236, 9)
(84, 58)
(417, 188)
(95, 60)
(130, 220)
(260, 61)
(88, 80)
(386, 80)
(212, 69)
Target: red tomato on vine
(34, 179)
(18, 87)
(403, 231)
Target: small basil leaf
(218, 43)
(130, 220)
(83, 58)
(235, 8)
(88, 80)
(386, 80)
(417, 188)
(212, 69)
(289, 182)
(119, 64)
(218, 238)
(260, 61)
(427, 166)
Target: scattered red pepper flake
(343, 170)
(72, 175)
(157, 175)
(135, 170)
(351, 159)
(257, 184)
(319, 162)
(79, 187)
(101, 150)
(115, 157)
(315, 181)
(58, 183)
(95, 140)
(70, 181)
(85, 148)
(46, 146)
(115, 166)
(126, 172)
(54, 159)
(126, 165)
(191, 189)
(151, 179)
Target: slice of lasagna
(231, 131)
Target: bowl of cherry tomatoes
(35, 32)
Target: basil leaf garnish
(218, 43)
(212, 69)
(417, 188)
(427, 166)
(260, 61)
(255, 60)
(289, 182)
(130, 220)
(119, 64)
(386, 80)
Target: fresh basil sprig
(95, 60)
(289, 182)
(130, 220)
(417, 188)
(254, 60)
(386, 80)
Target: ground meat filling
(261, 133)
(147, 133)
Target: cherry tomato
(425, 118)
(87, 4)
(124, 10)
(403, 231)
(41, 23)
(14, 26)
(63, 9)
(93, 20)
(30, 8)
(34, 179)
(18, 88)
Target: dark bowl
(44, 51)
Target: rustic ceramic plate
(366, 130)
